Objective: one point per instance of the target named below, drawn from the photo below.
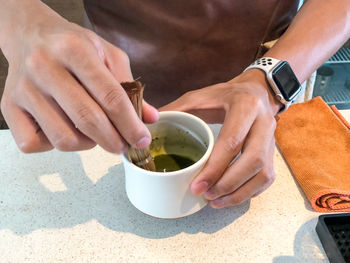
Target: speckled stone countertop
(72, 207)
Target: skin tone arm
(247, 108)
(62, 88)
(317, 32)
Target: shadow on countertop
(27, 205)
(307, 246)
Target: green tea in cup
(174, 147)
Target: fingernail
(143, 142)
(200, 187)
(218, 203)
(156, 114)
(210, 194)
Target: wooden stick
(140, 157)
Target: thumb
(206, 109)
(180, 104)
(149, 113)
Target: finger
(26, 132)
(54, 123)
(117, 63)
(120, 69)
(149, 113)
(253, 187)
(255, 154)
(82, 110)
(229, 143)
(100, 83)
(269, 172)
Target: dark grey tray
(334, 233)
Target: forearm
(320, 28)
(19, 17)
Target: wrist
(15, 20)
(258, 78)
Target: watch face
(286, 81)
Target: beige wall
(70, 9)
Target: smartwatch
(281, 79)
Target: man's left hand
(246, 109)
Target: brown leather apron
(180, 45)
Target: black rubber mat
(334, 233)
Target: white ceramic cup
(167, 194)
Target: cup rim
(191, 167)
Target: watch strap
(267, 64)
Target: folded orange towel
(315, 142)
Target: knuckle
(269, 122)
(26, 147)
(89, 145)
(236, 199)
(135, 134)
(29, 145)
(111, 99)
(88, 119)
(24, 93)
(67, 143)
(36, 61)
(268, 177)
(232, 143)
(123, 57)
(258, 160)
(23, 87)
(251, 100)
(211, 174)
(70, 43)
(223, 188)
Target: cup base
(169, 218)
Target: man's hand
(246, 109)
(63, 89)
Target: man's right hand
(63, 89)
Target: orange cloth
(315, 142)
